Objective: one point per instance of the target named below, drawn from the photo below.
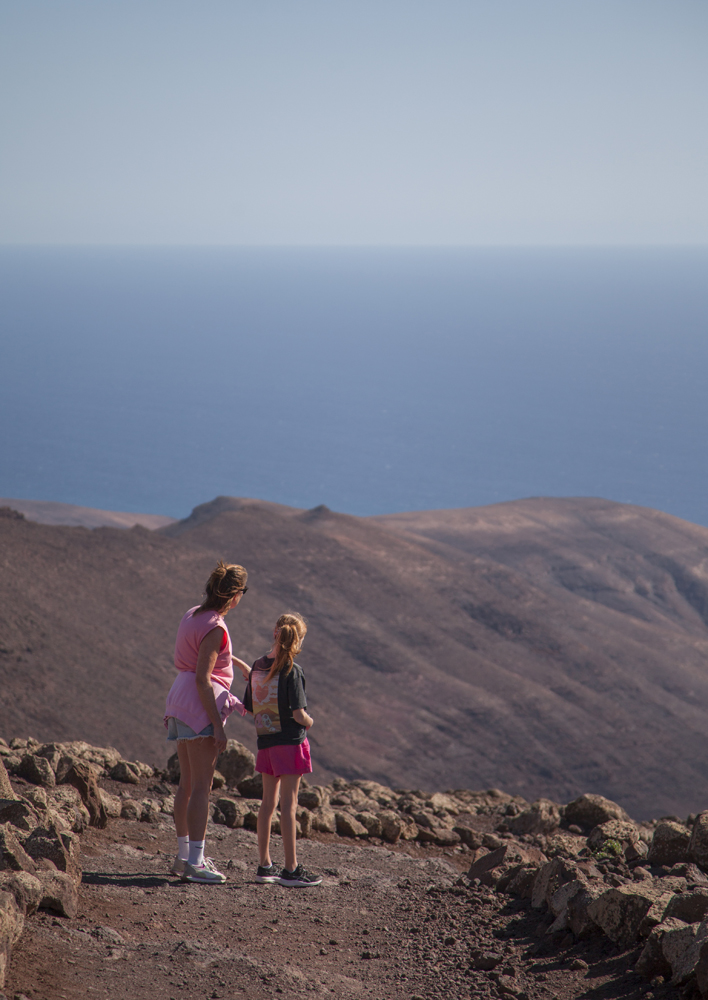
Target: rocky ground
(457, 894)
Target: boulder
(372, 823)
(445, 803)
(60, 893)
(655, 913)
(651, 961)
(6, 790)
(550, 877)
(81, 777)
(681, 944)
(702, 972)
(698, 843)
(446, 838)
(324, 820)
(11, 923)
(542, 816)
(167, 805)
(313, 797)
(409, 829)
(349, 826)
(391, 825)
(52, 752)
(304, 821)
(150, 811)
(13, 856)
(36, 770)
(130, 809)
(236, 763)
(691, 907)
(669, 845)
(36, 796)
(564, 845)
(234, 811)
(614, 829)
(619, 911)
(466, 827)
(66, 761)
(20, 814)
(46, 842)
(559, 903)
(125, 771)
(111, 803)
(251, 788)
(578, 917)
(26, 889)
(589, 811)
(486, 863)
(517, 881)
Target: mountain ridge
(544, 646)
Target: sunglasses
(242, 590)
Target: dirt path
(384, 924)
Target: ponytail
(291, 629)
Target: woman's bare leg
(184, 791)
(289, 786)
(202, 761)
(271, 788)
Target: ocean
(369, 379)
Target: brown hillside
(548, 647)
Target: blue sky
(364, 122)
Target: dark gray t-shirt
(273, 703)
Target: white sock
(183, 848)
(196, 853)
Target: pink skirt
(285, 759)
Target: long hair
(290, 629)
(223, 584)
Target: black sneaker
(270, 874)
(299, 879)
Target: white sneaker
(178, 866)
(205, 873)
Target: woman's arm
(301, 716)
(243, 667)
(206, 661)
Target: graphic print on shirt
(265, 703)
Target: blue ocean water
(372, 380)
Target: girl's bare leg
(202, 761)
(289, 786)
(271, 789)
(184, 791)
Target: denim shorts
(177, 730)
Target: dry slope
(548, 647)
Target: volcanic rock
(589, 811)
(236, 763)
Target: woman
(198, 704)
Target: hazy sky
(354, 121)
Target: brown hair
(223, 584)
(291, 629)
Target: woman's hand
(220, 738)
(242, 666)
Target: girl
(198, 704)
(276, 697)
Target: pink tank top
(183, 701)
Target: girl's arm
(243, 667)
(206, 661)
(301, 717)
